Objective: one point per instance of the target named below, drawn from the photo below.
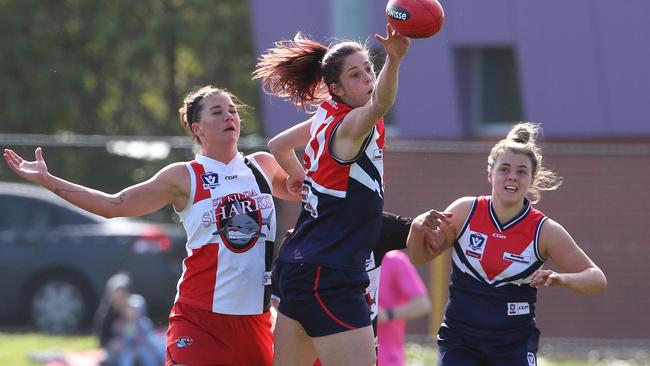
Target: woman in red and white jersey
(221, 313)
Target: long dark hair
(301, 70)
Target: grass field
(15, 349)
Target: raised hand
(33, 171)
(394, 43)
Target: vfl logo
(239, 222)
(476, 245)
(531, 359)
(518, 308)
(398, 13)
(476, 241)
(210, 180)
(183, 342)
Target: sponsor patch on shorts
(532, 360)
(183, 342)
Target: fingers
(544, 278)
(390, 33)
(39, 154)
(12, 159)
(549, 281)
(442, 216)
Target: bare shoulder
(552, 232)
(174, 170)
(176, 176)
(265, 160)
(460, 208)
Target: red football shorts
(199, 337)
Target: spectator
(402, 296)
(133, 332)
(116, 294)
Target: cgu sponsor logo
(397, 13)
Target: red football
(415, 18)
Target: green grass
(418, 355)
(15, 348)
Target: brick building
(603, 203)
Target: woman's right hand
(294, 184)
(33, 171)
(394, 43)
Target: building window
(489, 88)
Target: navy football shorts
(323, 300)
(505, 349)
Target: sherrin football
(415, 18)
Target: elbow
(109, 215)
(597, 284)
(601, 283)
(273, 145)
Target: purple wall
(584, 65)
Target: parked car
(55, 260)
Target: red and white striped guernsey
(230, 225)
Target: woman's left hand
(546, 278)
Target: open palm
(33, 171)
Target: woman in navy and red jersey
(500, 247)
(320, 271)
(221, 312)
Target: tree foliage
(120, 66)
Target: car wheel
(58, 304)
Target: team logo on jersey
(476, 245)
(532, 361)
(239, 222)
(183, 342)
(210, 180)
(378, 154)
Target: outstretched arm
(580, 274)
(425, 245)
(431, 234)
(169, 186)
(359, 122)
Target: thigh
(354, 348)
(324, 301)
(455, 350)
(190, 343)
(190, 340)
(292, 345)
(254, 340)
(457, 357)
(521, 353)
